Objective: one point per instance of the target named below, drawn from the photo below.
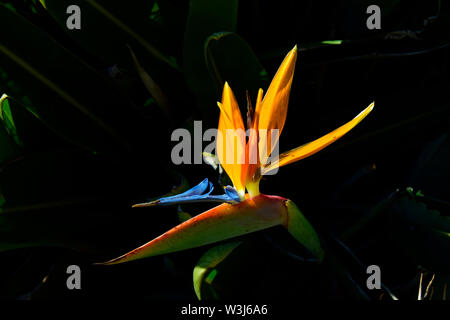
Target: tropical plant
(86, 118)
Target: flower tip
(146, 204)
(107, 263)
(219, 104)
(293, 52)
(292, 55)
(366, 111)
(370, 107)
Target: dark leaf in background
(229, 58)
(107, 28)
(71, 102)
(205, 18)
(422, 233)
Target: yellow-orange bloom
(245, 213)
(270, 114)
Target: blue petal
(197, 190)
(232, 193)
(197, 194)
(200, 198)
(220, 198)
(186, 198)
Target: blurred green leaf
(431, 172)
(205, 18)
(8, 120)
(229, 58)
(183, 215)
(9, 148)
(152, 86)
(64, 102)
(332, 42)
(108, 26)
(207, 263)
(155, 14)
(423, 233)
(27, 129)
(258, 268)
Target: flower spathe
(243, 212)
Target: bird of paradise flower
(241, 212)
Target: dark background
(67, 187)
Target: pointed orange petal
(272, 110)
(230, 142)
(310, 148)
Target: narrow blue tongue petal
(197, 194)
(197, 190)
